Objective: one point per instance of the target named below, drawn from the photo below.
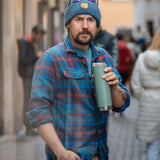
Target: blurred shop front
(17, 17)
(50, 16)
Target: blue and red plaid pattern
(63, 93)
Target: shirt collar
(72, 49)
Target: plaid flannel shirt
(63, 93)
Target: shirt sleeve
(43, 83)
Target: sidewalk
(30, 148)
(121, 140)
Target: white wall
(146, 10)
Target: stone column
(8, 59)
(1, 75)
(30, 14)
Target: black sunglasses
(81, 0)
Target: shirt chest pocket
(73, 73)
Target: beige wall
(116, 14)
(18, 20)
(1, 74)
(18, 97)
(30, 15)
(12, 85)
(9, 71)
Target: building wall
(31, 13)
(147, 11)
(9, 59)
(18, 88)
(1, 75)
(116, 14)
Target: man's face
(82, 29)
(37, 37)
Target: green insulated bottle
(103, 92)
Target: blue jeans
(153, 151)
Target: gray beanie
(82, 7)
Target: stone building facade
(147, 15)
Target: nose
(85, 24)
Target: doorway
(150, 26)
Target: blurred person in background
(109, 42)
(134, 47)
(1, 126)
(145, 83)
(126, 58)
(135, 50)
(28, 56)
(141, 37)
(63, 104)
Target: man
(63, 104)
(109, 42)
(28, 55)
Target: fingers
(92, 75)
(110, 76)
(115, 82)
(75, 158)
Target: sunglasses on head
(81, 0)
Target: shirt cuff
(127, 103)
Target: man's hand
(118, 94)
(39, 54)
(68, 155)
(111, 77)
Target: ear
(68, 25)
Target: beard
(82, 42)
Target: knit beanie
(82, 7)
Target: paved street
(121, 139)
(31, 148)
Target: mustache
(85, 32)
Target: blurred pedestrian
(108, 41)
(1, 126)
(146, 88)
(126, 58)
(135, 50)
(134, 47)
(28, 55)
(63, 104)
(141, 36)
